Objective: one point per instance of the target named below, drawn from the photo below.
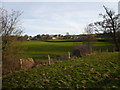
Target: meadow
(40, 50)
(100, 70)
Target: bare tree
(89, 39)
(9, 25)
(9, 22)
(10, 28)
(109, 25)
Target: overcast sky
(60, 0)
(58, 17)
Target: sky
(58, 17)
(60, 0)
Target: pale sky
(58, 17)
(60, 0)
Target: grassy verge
(100, 70)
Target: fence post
(68, 55)
(20, 63)
(49, 59)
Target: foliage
(100, 70)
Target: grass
(101, 70)
(40, 50)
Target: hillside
(100, 70)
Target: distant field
(101, 70)
(40, 50)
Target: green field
(100, 70)
(40, 50)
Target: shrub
(10, 65)
(80, 51)
(11, 53)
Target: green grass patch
(40, 50)
(100, 70)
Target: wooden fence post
(49, 60)
(68, 55)
(20, 63)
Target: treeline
(102, 37)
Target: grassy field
(101, 70)
(40, 50)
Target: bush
(11, 54)
(10, 65)
(80, 51)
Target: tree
(9, 25)
(67, 33)
(10, 29)
(10, 22)
(89, 39)
(26, 37)
(110, 25)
